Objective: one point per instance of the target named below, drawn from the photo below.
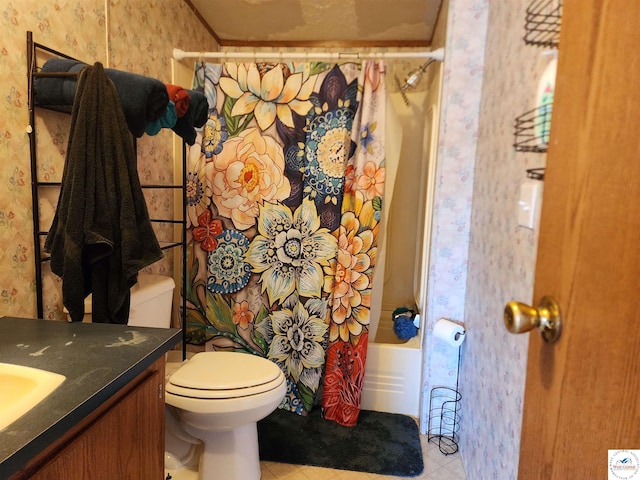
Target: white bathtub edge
(392, 377)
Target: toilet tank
(151, 300)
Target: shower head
(412, 80)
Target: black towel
(196, 116)
(143, 99)
(101, 235)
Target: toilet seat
(224, 375)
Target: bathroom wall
(480, 257)
(464, 40)
(133, 35)
(501, 254)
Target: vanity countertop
(97, 360)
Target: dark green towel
(101, 235)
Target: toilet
(214, 401)
(150, 306)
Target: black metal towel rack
(32, 73)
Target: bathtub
(393, 371)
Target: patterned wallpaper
(462, 82)
(480, 257)
(501, 262)
(132, 35)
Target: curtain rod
(437, 54)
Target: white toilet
(218, 398)
(151, 299)
(214, 399)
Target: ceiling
(384, 23)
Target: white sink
(22, 388)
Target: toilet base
(229, 454)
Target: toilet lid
(224, 375)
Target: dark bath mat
(381, 443)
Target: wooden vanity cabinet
(123, 439)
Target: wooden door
(582, 392)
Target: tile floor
(436, 467)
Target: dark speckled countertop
(97, 359)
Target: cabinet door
(127, 442)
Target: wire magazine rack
(444, 416)
(444, 419)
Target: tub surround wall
(402, 224)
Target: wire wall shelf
(536, 173)
(542, 23)
(532, 130)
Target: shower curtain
(284, 195)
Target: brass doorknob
(520, 318)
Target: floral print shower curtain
(284, 194)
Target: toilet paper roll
(451, 333)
